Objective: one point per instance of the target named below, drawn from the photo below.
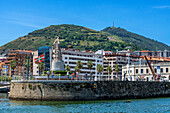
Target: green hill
(83, 38)
(141, 41)
(79, 37)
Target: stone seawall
(86, 90)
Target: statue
(57, 62)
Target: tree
(25, 64)
(109, 70)
(79, 66)
(117, 69)
(90, 66)
(77, 70)
(67, 68)
(41, 67)
(99, 69)
(13, 66)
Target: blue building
(47, 51)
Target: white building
(143, 71)
(35, 66)
(113, 59)
(71, 56)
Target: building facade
(47, 52)
(20, 57)
(143, 72)
(164, 53)
(71, 56)
(111, 59)
(5, 68)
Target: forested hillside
(79, 37)
(143, 42)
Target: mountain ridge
(80, 37)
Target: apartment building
(20, 57)
(143, 71)
(5, 68)
(111, 59)
(70, 56)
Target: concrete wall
(87, 90)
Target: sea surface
(154, 105)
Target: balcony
(10, 58)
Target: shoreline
(47, 90)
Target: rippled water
(161, 105)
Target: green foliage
(8, 78)
(79, 64)
(67, 68)
(117, 69)
(41, 66)
(99, 68)
(77, 36)
(109, 69)
(141, 41)
(77, 69)
(58, 72)
(84, 39)
(90, 65)
(30, 86)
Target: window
(5, 67)
(155, 70)
(147, 70)
(161, 70)
(166, 69)
(141, 70)
(136, 70)
(65, 57)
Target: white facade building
(143, 72)
(71, 56)
(35, 66)
(113, 59)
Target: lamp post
(5, 74)
(140, 68)
(1, 75)
(128, 54)
(27, 67)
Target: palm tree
(25, 64)
(117, 69)
(41, 67)
(67, 68)
(90, 66)
(13, 66)
(109, 70)
(79, 66)
(77, 69)
(99, 69)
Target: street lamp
(140, 67)
(27, 67)
(128, 54)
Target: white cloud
(162, 7)
(25, 24)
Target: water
(159, 105)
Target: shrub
(58, 72)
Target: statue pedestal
(57, 66)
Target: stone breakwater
(86, 90)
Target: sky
(150, 18)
